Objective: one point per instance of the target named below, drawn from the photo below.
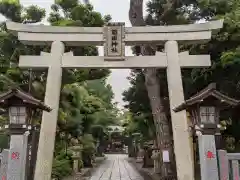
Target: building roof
(27, 99)
(209, 91)
(115, 128)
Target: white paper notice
(165, 156)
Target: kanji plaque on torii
(114, 47)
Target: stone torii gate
(114, 37)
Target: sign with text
(114, 48)
(17, 157)
(208, 159)
(15, 163)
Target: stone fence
(228, 165)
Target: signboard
(208, 159)
(166, 156)
(114, 47)
(14, 163)
(17, 157)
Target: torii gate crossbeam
(159, 60)
(76, 36)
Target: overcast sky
(118, 9)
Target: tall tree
(163, 128)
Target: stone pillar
(49, 119)
(76, 157)
(17, 157)
(235, 170)
(223, 165)
(140, 155)
(208, 157)
(4, 164)
(156, 161)
(75, 162)
(182, 146)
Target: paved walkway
(116, 167)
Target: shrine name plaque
(114, 46)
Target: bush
(62, 165)
(61, 168)
(88, 144)
(88, 150)
(63, 155)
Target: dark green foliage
(4, 141)
(61, 168)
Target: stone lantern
(135, 142)
(77, 158)
(204, 109)
(18, 104)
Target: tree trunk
(163, 128)
(163, 133)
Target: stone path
(116, 167)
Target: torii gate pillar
(182, 148)
(49, 120)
